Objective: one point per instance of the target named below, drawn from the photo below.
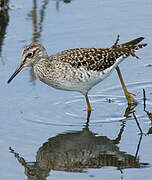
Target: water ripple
(107, 108)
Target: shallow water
(46, 128)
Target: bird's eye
(29, 55)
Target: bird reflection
(129, 110)
(76, 152)
(4, 4)
(4, 19)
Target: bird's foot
(130, 98)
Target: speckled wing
(90, 58)
(98, 59)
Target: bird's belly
(72, 79)
(81, 82)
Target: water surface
(46, 128)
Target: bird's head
(31, 55)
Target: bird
(78, 69)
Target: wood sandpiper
(78, 69)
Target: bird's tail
(130, 47)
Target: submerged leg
(129, 96)
(88, 107)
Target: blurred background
(44, 132)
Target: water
(46, 128)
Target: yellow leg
(129, 96)
(88, 104)
(88, 107)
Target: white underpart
(85, 83)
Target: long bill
(19, 68)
